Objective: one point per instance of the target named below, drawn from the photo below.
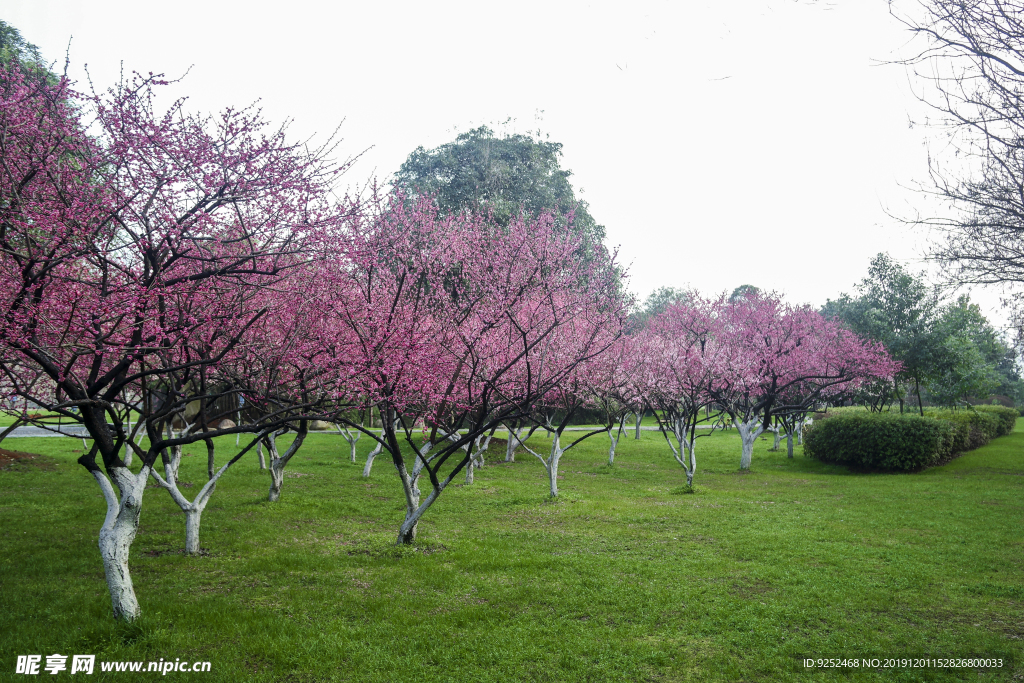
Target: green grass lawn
(624, 578)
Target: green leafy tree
(14, 48)
(504, 176)
(978, 360)
(951, 351)
(656, 302)
(961, 370)
(970, 56)
(743, 292)
(900, 310)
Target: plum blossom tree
(616, 387)
(452, 320)
(772, 350)
(290, 368)
(684, 353)
(125, 256)
(583, 387)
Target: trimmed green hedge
(982, 426)
(888, 441)
(1007, 416)
(891, 441)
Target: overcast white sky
(720, 143)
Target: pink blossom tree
(778, 358)
(125, 259)
(453, 321)
(614, 387)
(589, 385)
(684, 363)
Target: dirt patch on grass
(703, 540)
(1009, 625)
(7, 456)
(750, 589)
(10, 459)
(258, 664)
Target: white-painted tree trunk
(259, 454)
(639, 419)
(373, 454)
(171, 457)
(276, 479)
(410, 484)
(279, 462)
(473, 464)
(351, 436)
(749, 431)
(789, 444)
(683, 450)
(776, 430)
(193, 510)
(407, 532)
(127, 446)
(803, 424)
(516, 439)
(118, 532)
(369, 460)
(480, 445)
(171, 461)
(192, 518)
(550, 462)
(414, 507)
(548, 427)
(614, 435)
(611, 448)
(514, 435)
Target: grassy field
(624, 578)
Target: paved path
(65, 430)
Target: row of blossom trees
(180, 278)
(164, 275)
(755, 359)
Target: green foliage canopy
(742, 292)
(482, 172)
(656, 303)
(950, 350)
(14, 48)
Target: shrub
(1007, 416)
(982, 426)
(957, 440)
(886, 441)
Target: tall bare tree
(970, 60)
